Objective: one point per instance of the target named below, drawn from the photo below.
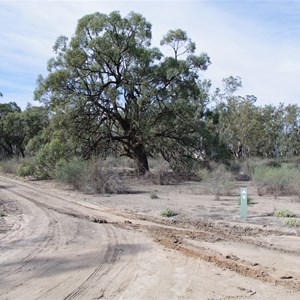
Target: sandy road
(54, 245)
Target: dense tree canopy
(17, 128)
(115, 89)
(108, 91)
(253, 131)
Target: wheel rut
(65, 227)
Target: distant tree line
(108, 92)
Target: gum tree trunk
(141, 160)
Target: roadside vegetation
(167, 212)
(289, 217)
(284, 213)
(293, 222)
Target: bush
(274, 180)
(47, 157)
(27, 168)
(71, 172)
(284, 213)
(250, 165)
(90, 176)
(294, 222)
(99, 179)
(217, 181)
(167, 213)
(277, 180)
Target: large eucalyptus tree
(114, 88)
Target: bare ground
(56, 243)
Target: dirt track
(58, 244)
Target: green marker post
(244, 204)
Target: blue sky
(256, 40)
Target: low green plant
(2, 214)
(294, 222)
(284, 213)
(167, 213)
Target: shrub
(167, 213)
(274, 180)
(284, 213)
(250, 165)
(27, 168)
(71, 172)
(47, 157)
(102, 180)
(294, 222)
(218, 181)
(90, 176)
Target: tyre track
(53, 241)
(42, 244)
(111, 255)
(169, 236)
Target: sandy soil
(56, 243)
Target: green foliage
(72, 172)
(167, 213)
(253, 131)
(108, 92)
(17, 128)
(179, 42)
(43, 165)
(49, 155)
(284, 213)
(90, 176)
(2, 214)
(277, 180)
(217, 181)
(11, 130)
(249, 165)
(294, 222)
(114, 92)
(26, 168)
